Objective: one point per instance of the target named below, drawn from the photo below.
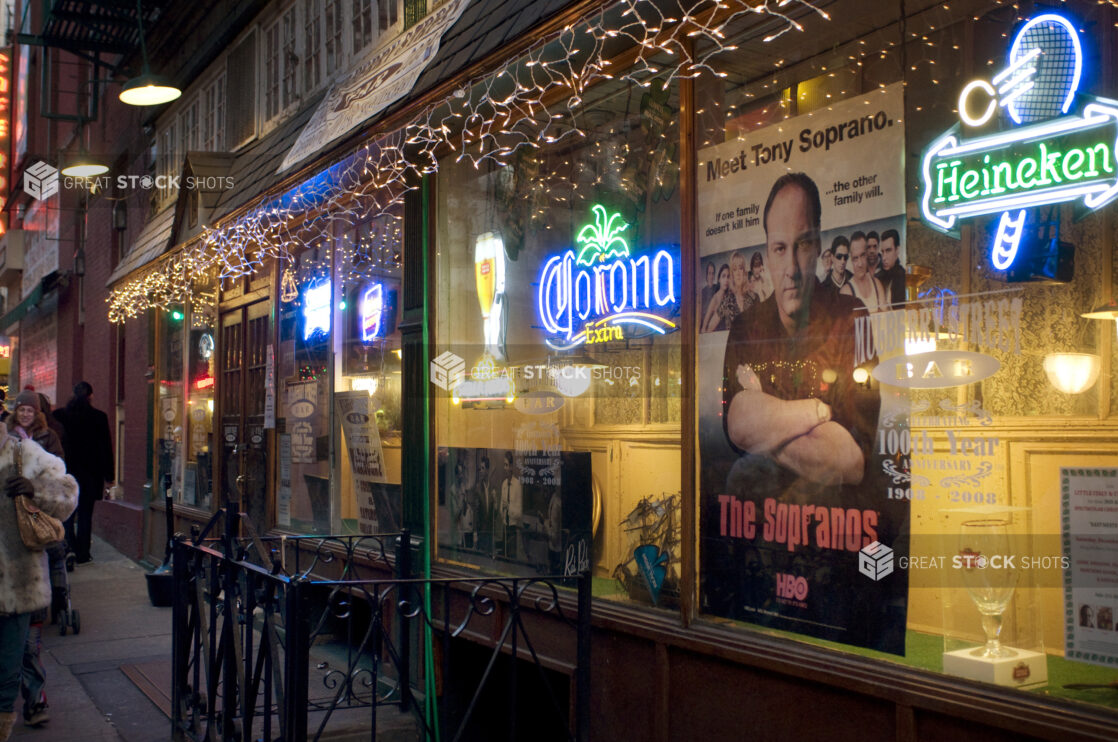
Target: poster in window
(523, 511)
(802, 229)
(1089, 498)
(302, 413)
(378, 504)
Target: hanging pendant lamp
(147, 89)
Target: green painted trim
(431, 692)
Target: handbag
(37, 529)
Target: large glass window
(169, 423)
(197, 488)
(368, 365)
(557, 416)
(338, 416)
(904, 396)
(306, 325)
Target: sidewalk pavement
(90, 696)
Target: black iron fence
(329, 637)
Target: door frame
(242, 301)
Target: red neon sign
(5, 133)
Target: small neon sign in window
(316, 310)
(372, 312)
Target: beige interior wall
(1026, 482)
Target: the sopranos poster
(525, 511)
(802, 232)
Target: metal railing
(313, 637)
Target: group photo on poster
(794, 487)
(861, 260)
(527, 512)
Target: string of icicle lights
(528, 102)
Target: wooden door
(245, 335)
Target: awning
(386, 73)
(153, 241)
(20, 310)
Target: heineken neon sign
(1067, 159)
(600, 292)
(1049, 156)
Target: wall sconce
(120, 215)
(1072, 373)
(1105, 311)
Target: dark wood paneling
(714, 700)
(624, 685)
(935, 727)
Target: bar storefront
(801, 341)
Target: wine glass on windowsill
(990, 577)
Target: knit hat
(29, 398)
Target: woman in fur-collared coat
(24, 581)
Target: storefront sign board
(383, 76)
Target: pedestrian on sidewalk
(53, 423)
(24, 582)
(31, 424)
(89, 458)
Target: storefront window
(339, 375)
(197, 486)
(907, 444)
(558, 396)
(368, 371)
(306, 322)
(169, 423)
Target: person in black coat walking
(89, 458)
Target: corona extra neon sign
(598, 293)
(1050, 157)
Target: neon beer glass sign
(372, 310)
(1050, 155)
(316, 309)
(599, 292)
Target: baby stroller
(61, 609)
